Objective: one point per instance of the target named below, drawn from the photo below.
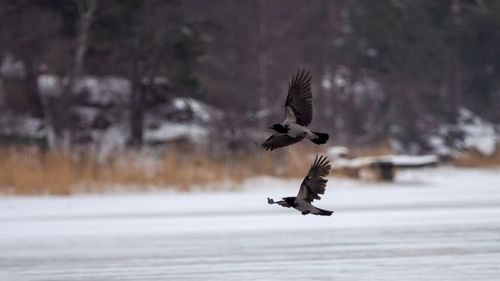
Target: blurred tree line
(381, 69)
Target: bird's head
(279, 128)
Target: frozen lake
(441, 224)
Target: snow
(170, 130)
(105, 90)
(108, 97)
(477, 134)
(49, 85)
(398, 160)
(201, 110)
(10, 67)
(439, 224)
(87, 114)
(111, 140)
(338, 151)
(19, 125)
(439, 145)
(410, 159)
(101, 90)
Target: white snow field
(436, 224)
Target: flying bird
(312, 185)
(298, 115)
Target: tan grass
(372, 150)
(474, 159)
(32, 171)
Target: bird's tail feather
(321, 139)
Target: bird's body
(298, 115)
(312, 185)
(297, 131)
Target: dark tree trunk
(456, 63)
(137, 117)
(137, 104)
(31, 78)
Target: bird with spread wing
(298, 115)
(312, 186)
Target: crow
(312, 185)
(298, 115)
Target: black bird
(312, 185)
(298, 115)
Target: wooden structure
(380, 168)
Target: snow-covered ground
(436, 224)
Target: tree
(151, 42)
(25, 32)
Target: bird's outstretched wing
(298, 106)
(279, 140)
(314, 183)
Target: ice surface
(439, 224)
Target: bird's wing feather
(279, 140)
(314, 183)
(298, 106)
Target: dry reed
(31, 171)
(474, 159)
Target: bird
(312, 186)
(298, 115)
